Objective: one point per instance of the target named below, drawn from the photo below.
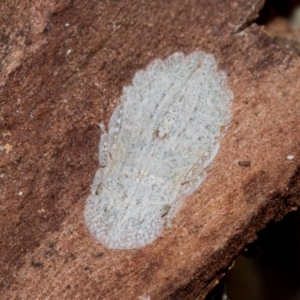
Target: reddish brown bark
(63, 66)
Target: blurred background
(270, 268)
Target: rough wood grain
(63, 65)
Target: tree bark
(63, 66)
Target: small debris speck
(99, 255)
(147, 297)
(290, 157)
(20, 193)
(8, 148)
(37, 264)
(5, 134)
(244, 163)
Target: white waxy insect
(163, 134)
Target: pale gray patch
(162, 136)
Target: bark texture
(63, 66)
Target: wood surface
(63, 65)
